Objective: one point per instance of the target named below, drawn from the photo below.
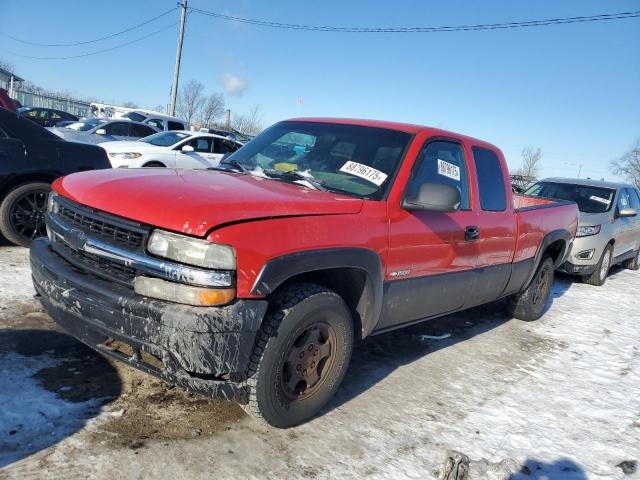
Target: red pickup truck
(253, 280)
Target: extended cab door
(431, 254)
(495, 243)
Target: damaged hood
(195, 201)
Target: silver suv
(609, 228)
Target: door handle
(471, 233)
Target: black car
(31, 157)
(46, 117)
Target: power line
(75, 44)
(97, 51)
(453, 28)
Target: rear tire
(22, 213)
(633, 263)
(529, 304)
(300, 357)
(599, 275)
(155, 164)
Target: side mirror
(435, 197)
(187, 149)
(628, 212)
(101, 131)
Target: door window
(224, 146)
(493, 196)
(156, 122)
(175, 125)
(201, 145)
(141, 131)
(634, 199)
(623, 200)
(441, 162)
(118, 128)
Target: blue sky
(572, 90)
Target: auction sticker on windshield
(599, 199)
(364, 171)
(448, 170)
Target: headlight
(588, 231)
(192, 251)
(52, 204)
(125, 155)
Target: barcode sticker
(448, 170)
(600, 199)
(364, 171)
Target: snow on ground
(554, 399)
(31, 417)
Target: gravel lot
(557, 399)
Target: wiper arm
(295, 175)
(234, 163)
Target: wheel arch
(22, 179)
(556, 244)
(355, 274)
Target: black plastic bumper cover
(195, 344)
(573, 269)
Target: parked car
(609, 228)
(253, 281)
(178, 149)
(6, 101)
(46, 117)
(157, 120)
(96, 130)
(31, 157)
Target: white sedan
(175, 149)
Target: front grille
(104, 228)
(100, 266)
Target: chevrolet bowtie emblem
(75, 238)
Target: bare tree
(628, 165)
(159, 108)
(6, 66)
(212, 109)
(530, 164)
(130, 104)
(190, 100)
(249, 123)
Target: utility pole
(176, 70)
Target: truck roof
(589, 182)
(404, 127)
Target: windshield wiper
(294, 175)
(233, 163)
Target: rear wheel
(301, 355)
(599, 276)
(633, 263)
(22, 213)
(529, 304)
(155, 164)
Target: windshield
(589, 199)
(85, 125)
(136, 117)
(347, 159)
(165, 139)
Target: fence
(67, 104)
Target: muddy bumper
(199, 348)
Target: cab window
(634, 198)
(623, 200)
(201, 144)
(225, 146)
(493, 195)
(441, 162)
(175, 125)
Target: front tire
(529, 304)
(300, 357)
(22, 213)
(599, 275)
